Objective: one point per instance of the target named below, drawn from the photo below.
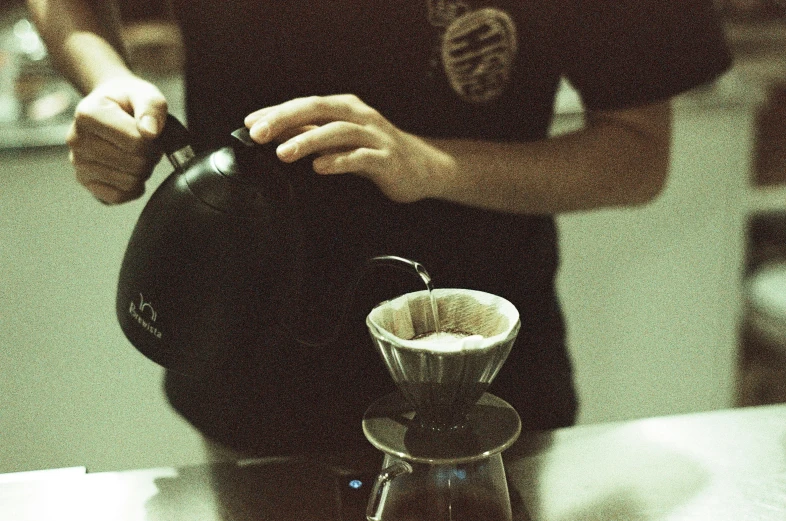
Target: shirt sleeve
(624, 53)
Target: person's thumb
(150, 113)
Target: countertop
(723, 465)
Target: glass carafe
(453, 475)
(411, 491)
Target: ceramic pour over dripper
(443, 379)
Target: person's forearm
(83, 39)
(612, 162)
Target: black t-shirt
(486, 70)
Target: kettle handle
(175, 142)
(388, 474)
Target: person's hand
(110, 139)
(348, 136)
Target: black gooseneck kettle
(237, 249)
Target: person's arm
(110, 139)
(620, 158)
(83, 39)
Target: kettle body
(209, 237)
(236, 254)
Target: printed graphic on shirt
(478, 51)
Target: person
(430, 122)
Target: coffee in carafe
(477, 505)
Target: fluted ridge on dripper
(443, 379)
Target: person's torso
(493, 75)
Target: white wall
(652, 295)
(73, 391)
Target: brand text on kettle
(139, 314)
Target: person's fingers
(267, 124)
